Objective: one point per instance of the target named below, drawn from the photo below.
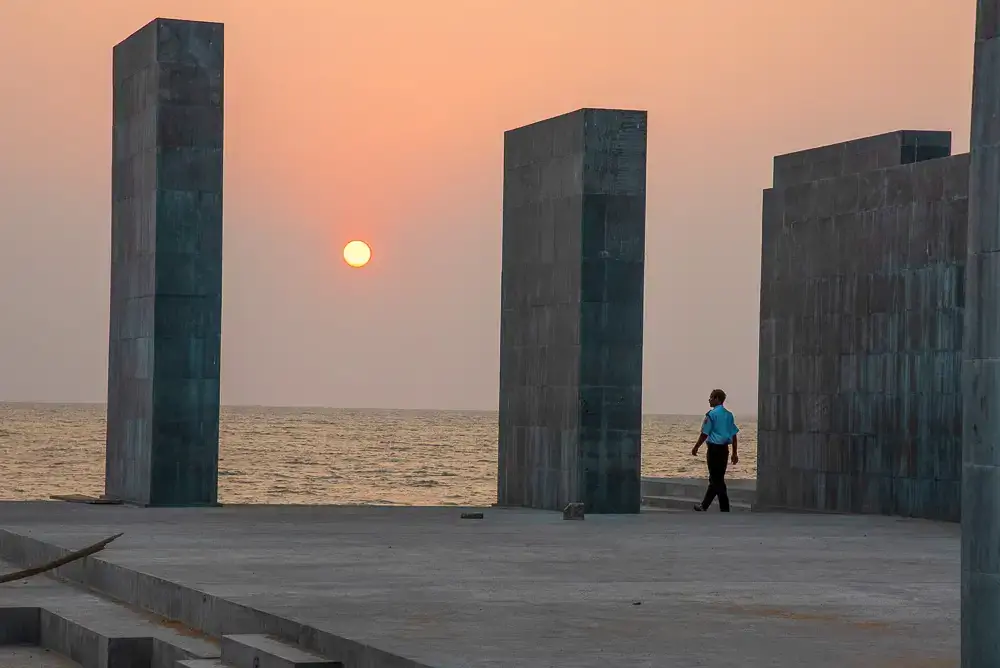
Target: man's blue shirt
(720, 426)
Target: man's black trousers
(718, 459)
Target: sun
(357, 253)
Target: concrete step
(210, 614)
(741, 491)
(97, 636)
(92, 647)
(687, 503)
(261, 651)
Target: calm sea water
(317, 456)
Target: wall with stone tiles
(980, 562)
(166, 273)
(571, 320)
(861, 327)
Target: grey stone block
(859, 156)
(571, 312)
(860, 324)
(97, 633)
(92, 648)
(71, 640)
(166, 274)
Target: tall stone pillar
(981, 372)
(574, 209)
(166, 265)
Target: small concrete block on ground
(573, 511)
(261, 651)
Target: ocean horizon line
(318, 407)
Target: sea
(322, 455)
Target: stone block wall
(980, 563)
(572, 308)
(861, 327)
(166, 265)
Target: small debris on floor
(472, 516)
(573, 511)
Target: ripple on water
(287, 455)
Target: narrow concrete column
(574, 211)
(981, 372)
(166, 265)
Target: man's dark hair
(719, 395)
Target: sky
(383, 120)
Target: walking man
(719, 429)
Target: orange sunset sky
(383, 120)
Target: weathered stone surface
(860, 155)
(571, 321)
(981, 372)
(506, 592)
(263, 651)
(166, 267)
(861, 327)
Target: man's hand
(735, 458)
(694, 451)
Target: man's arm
(735, 457)
(701, 439)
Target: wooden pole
(61, 561)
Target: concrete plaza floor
(525, 588)
(33, 657)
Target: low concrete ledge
(212, 615)
(86, 644)
(685, 503)
(681, 493)
(37, 627)
(745, 489)
(90, 648)
(258, 650)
